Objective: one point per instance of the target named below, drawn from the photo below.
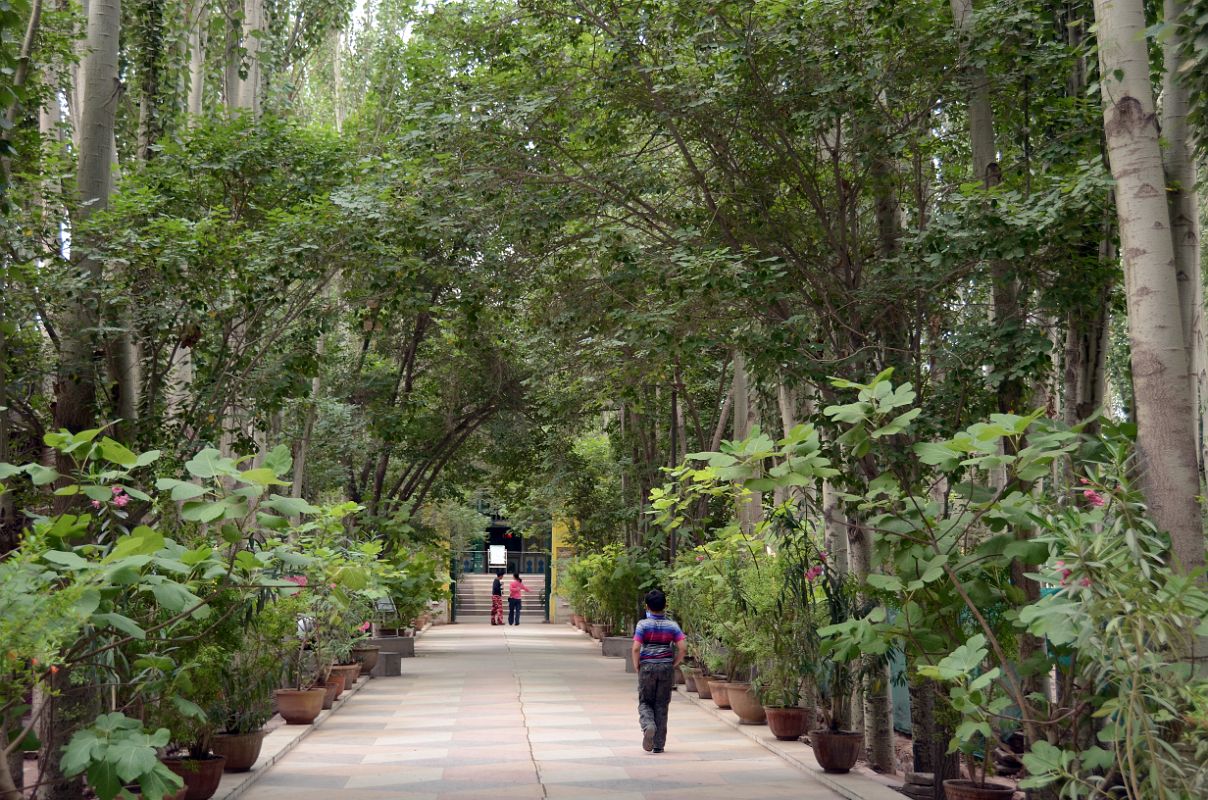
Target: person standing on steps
(658, 650)
(515, 588)
(497, 599)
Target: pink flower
(822, 555)
(118, 490)
(1060, 564)
(121, 500)
(700, 558)
(299, 580)
(813, 572)
(364, 626)
(1084, 582)
(331, 585)
(1094, 498)
(1084, 481)
(96, 503)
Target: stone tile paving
(522, 712)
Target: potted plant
(975, 695)
(836, 747)
(245, 702)
(779, 691)
(302, 701)
(189, 690)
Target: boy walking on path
(658, 650)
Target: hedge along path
(526, 712)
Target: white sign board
(497, 556)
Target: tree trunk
(1166, 430)
(750, 508)
(1180, 172)
(199, 20)
(75, 395)
(232, 54)
(338, 78)
(249, 87)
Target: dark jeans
(656, 682)
(513, 611)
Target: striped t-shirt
(658, 637)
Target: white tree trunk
(249, 87)
(337, 70)
(76, 395)
(1166, 431)
(199, 19)
(1184, 212)
(981, 117)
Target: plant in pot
(836, 746)
(301, 701)
(119, 760)
(974, 693)
(181, 708)
(244, 704)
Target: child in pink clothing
(514, 592)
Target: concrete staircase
(474, 598)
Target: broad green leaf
(122, 623)
(261, 476)
(279, 460)
(65, 558)
(206, 464)
(202, 511)
(40, 475)
(117, 453)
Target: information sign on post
(498, 556)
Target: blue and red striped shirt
(658, 637)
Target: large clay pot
(836, 751)
(350, 673)
(201, 775)
(969, 790)
(597, 631)
(240, 749)
(367, 657)
(743, 702)
(299, 707)
(719, 689)
(788, 723)
(332, 689)
(702, 687)
(690, 674)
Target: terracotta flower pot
(349, 672)
(788, 723)
(743, 702)
(702, 687)
(201, 775)
(971, 790)
(331, 690)
(837, 751)
(719, 689)
(299, 707)
(689, 674)
(597, 630)
(240, 749)
(367, 657)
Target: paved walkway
(521, 712)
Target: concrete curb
(282, 740)
(853, 785)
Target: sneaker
(657, 750)
(648, 739)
